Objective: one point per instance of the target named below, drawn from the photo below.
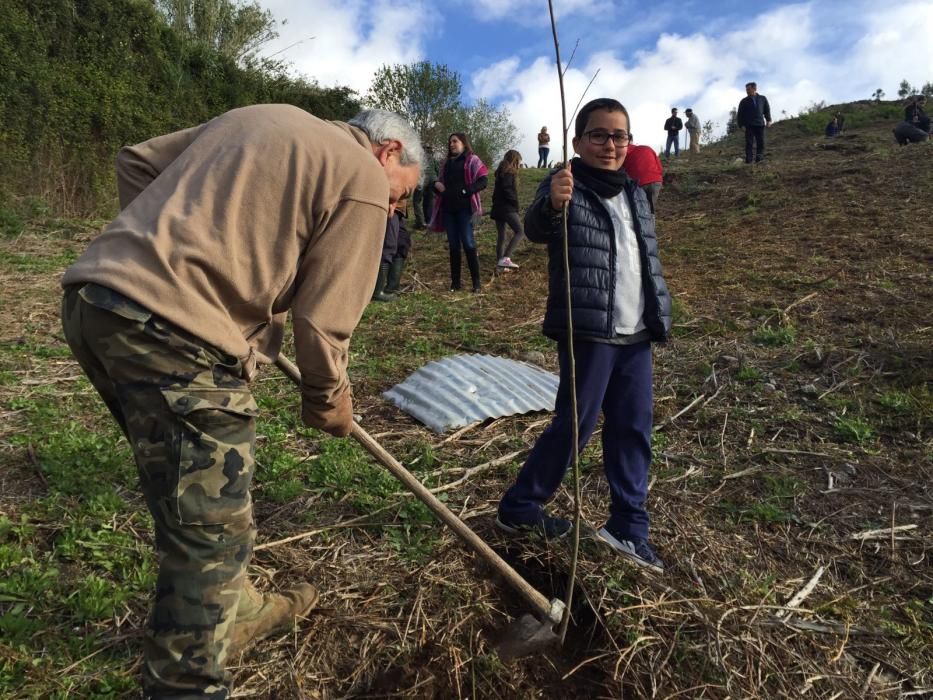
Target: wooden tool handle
(548, 609)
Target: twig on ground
(667, 421)
(882, 533)
(801, 595)
(471, 472)
(744, 472)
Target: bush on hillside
(80, 79)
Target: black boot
(473, 261)
(454, 270)
(380, 294)
(395, 275)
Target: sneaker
(638, 551)
(548, 527)
(507, 264)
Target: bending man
(225, 227)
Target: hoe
(528, 634)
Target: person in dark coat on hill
(620, 304)
(672, 126)
(505, 209)
(644, 167)
(395, 249)
(832, 129)
(753, 115)
(423, 199)
(905, 133)
(916, 116)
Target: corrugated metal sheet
(462, 389)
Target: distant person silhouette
(753, 115)
(544, 148)
(672, 126)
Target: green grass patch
(774, 336)
(33, 264)
(749, 373)
(854, 429)
(897, 401)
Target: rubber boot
(473, 261)
(260, 615)
(380, 294)
(395, 275)
(454, 270)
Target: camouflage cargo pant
(190, 420)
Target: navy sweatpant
(617, 380)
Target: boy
(620, 304)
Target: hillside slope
(793, 445)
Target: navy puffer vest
(592, 263)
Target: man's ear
(387, 149)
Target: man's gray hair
(382, 126)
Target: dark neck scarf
(606, 183)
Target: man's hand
(561, 188)
(439, 186)
(336, 420)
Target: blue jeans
(542, 156)
(672, 138)
(459, 227)
(617, 380)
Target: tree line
(430, 96)
(79, 79)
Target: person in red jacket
(643, 165)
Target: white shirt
(629, 295)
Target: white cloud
(352, 38)
(535, 12)
(798, 54)
(493, 81)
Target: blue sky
(691, 53)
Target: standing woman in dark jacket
(505, 208)
(463, 176)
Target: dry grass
(790, 493)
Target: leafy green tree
(234, 29)
(905, 89)
(79, 80)
(490, 129)
(733, 124)
(927, 90)
(427, 94)
(877, 95)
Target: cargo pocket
(214, 451)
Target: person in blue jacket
(620, 305)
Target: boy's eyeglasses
(598, 137)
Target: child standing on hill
(620, 305)
(505, 209)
